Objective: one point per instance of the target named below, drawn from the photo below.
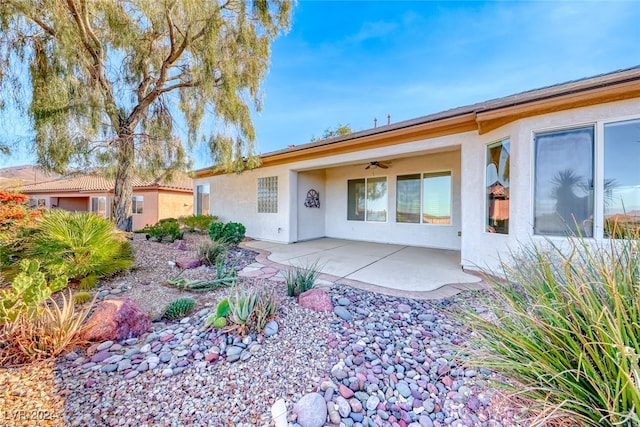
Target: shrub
(166, 229)
(565, 327)
(53, 329)
(14, 211)
(82, 297)
(198, 222)
(80, 245)
(179, 308)
(28, 291)
(210, 253)
(301, 278)
(231, 232)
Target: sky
(350, 62)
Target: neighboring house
(569, 155)
(152, 200)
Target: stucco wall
(174, 205)
(481, 249)
(432, 235)
(311, 220)
(233, 197)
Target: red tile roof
(95, 183)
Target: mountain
(15, 177)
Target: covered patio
(387, 268)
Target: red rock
(116, 319)
(188, 263)
(167, 337)
(448, 381)
(211, 357)
(345, 391)
(316, 300)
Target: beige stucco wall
(174, 205)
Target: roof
(97, 183)
(481, 117)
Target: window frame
(598, 175)
(200, 208)
(365, 211)
(106, 206)
(422, 177)
(135, 202)
(267, 194)
(486, 198)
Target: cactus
(220, 322)
(179, 308)
(223, 308)
(82, 297)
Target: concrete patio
(391, 269)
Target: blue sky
(350, 62)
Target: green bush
(565, 326)
(301, 278)
(198, 222)
(80, 245)
(231, 232)
(28, 291)
(166, 229)
(224, 278)
(179, 308)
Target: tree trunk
(123, 192)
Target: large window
(268, 194)
(367, 199)
(497, 181)
(138, 202)
(424, 198)
(202, 199)
(621, 177)
(564, 182)
(99, 205)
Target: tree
(110, 82)
(339, 130)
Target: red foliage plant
(14, 211)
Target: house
(569, 154)
(152, 199)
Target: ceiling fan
(376, 164)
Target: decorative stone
(188, 263)
(316, 300)
(116, 319)
(271, 328)
(343, 313)
(311, 410)
(179, 245)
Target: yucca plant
(48, 334)
(566, 328)
(250, 309)
(301, 278)
(81, 245)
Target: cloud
(372, 30)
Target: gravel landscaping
(375, 360)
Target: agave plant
(80, 245)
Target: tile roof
(93, 183)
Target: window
(424, 198)
(563, 201)
(268, 194)
(99, 205)
(202, 199)
(367, 199)
(138, 202)
(408, 198)
(436, 198)
(497, 181)
(621, 177)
